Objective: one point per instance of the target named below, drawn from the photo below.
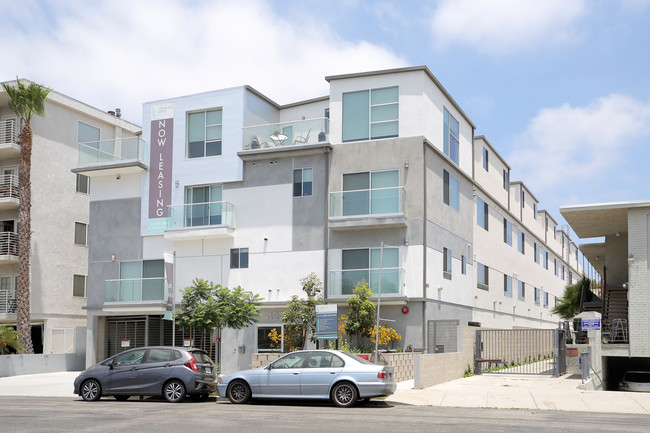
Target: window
(536, 252)
(292, 360)
(463, 265)
(522, 290)
(507, 286)
(369, 193)
(450, 192)
(203, 205)
(450, 136)
(556, 268)
(570, 277)
(538, 295)
(129, 358)
(446, 263)
(79, 286)
(545, 299)
(324, 360)
(481, 213)
(238, 258)
(302, 182)
(507, 232)
(159, 355)
(523, 197)
(204, 133)
(88, 135)
(83, 184)
(370, 114)
(485, 158)
(364, 264)
(482, 276)
(562, 272)
(521, 242)
(81, 234)
(506, 179)
(545, 259)
(142, 280)
(264, 342)
(535, 210)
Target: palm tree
(25, 100)
(569, 304)
(8, 340)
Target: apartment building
(59, 213)
(382, 180)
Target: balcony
(8, 302)
(9, 147)
(9, 192)
(115, 156)
(300, 132)
(367, 209)
(341, 283)
(200, 221)
(8, 247)
(136, 290)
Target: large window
(450, 136)
(507, 232)
(264, 341)
(141, 280)
(204, 133)
(375, 192)
(481, 213)
(238, 258)
(79, 286)
(482, 276)
(88, 135)
(446, 263)
(371, 114)
(364, 264)
(302, 182)
(507, 286)
(81, 234)
(450, 191)
(203, 205)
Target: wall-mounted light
(112, 257)
(406, 164)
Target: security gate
(520, 351)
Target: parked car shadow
(372, 404)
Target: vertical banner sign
(168, 258)
(160, 170)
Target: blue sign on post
(591, 324)
(326, 322)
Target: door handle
(332, 372)
(295, 373)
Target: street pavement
(504, 391)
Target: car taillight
(382, 375)
(191, 364)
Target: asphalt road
(24, 414)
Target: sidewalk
(58, 384)
(518, 391)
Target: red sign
(405, 309)
(571, 351)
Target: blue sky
(559, 87)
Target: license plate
(208, 370)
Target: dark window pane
(306, 188)
(234, 258)
(213, 148)
(243, 258)
(195, 149)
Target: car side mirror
(111, 365)
(268, 367)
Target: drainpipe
(424, 247)
(326, 231)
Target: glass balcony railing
(367, 202)
(342, 283)
(111, 151)
(136, 290)
(299, 132)
(218, 213)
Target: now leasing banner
(160, 170)
(168, 258)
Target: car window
(129, 358)
(159, 355)
(337, 362)
(292, 360)
(324, 360)
(201, 356)
(177, 354)
(357, 358)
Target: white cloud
(581, 146)
(121, 53)
(502, 27)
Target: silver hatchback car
(311, 374)
(172, 372)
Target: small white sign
(326, 308)
(126, 343)
(591, 324)
(187, 343)
(162, 111)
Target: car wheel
(200, 397)
(344, 394)
(121, 397)
(174, 391)
(91, 390)
(239, 392)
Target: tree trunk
(23, 322)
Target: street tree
(9, 340)
(569, 304)
(25, 100)
(301, 313)
(361, 312)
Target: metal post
(381, 264)
(477, 354)
(174, 300)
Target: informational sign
(126, 343)
(326, 322)
(169, 279)
(187, 342)
(160, 170)
(591, 324)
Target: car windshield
(357, 358)
(201, 357)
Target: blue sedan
(311, 374)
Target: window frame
(486, 154)
(483, 213)
(507, 231)
(463, 265)
(450, 184)
(75, 280)
(446, 263)
(302, 182)
(269, 326)
(451, 148)
(205, 129)
(82, 179)
(521, 290)
(348, 120)
(507, 286)
(84, 242)
(521, 241)
(482, 281)
(240, 253)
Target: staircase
(615, 305)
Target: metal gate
(520, 351)
(442, 336)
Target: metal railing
(8, 186)
(375, 201)
(518, 351)
(136, 290)
(8, 302)
(615, 331)
(8, 244)
(342, 282)
(110, 151)
(8, 132)
(218, 213)
(280, 134)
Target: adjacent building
(381, 180)
(59, 214)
